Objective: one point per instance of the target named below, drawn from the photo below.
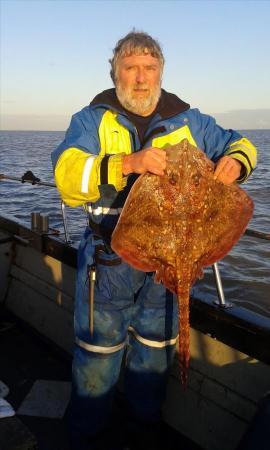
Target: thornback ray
(179, 223)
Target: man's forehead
(143, 58)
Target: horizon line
(64, 130)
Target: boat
(230, 358)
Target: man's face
(138, 83)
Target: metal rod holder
(64, 217)
(222, 302)
(35, 221)
(44, 223)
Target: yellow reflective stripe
(71, 174)
(174, 138)
(150, 343)
(98, 348)
(245, 152)
(114, 137)
(86, 173)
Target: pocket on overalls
(106, 266)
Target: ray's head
(136, 70)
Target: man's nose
(140, 76)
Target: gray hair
(135, 43)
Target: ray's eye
(173, 178)
(196, 178)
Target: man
(121, 134)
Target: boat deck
(38, 377)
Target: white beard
(140, 106)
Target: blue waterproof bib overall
(132, 313)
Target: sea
(245, 271)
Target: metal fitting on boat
(35, 221)
(44, 223)
(39, 222)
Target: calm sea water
(245, 271)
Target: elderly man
(121, 134)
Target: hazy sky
(54, 56)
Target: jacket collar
(169, 104)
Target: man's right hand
(150, 159)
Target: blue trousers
(133, 317)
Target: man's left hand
(227, 170)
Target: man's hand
(227, 170)
(150, 159)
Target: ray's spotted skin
(178, 223)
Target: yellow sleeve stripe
(245, 152)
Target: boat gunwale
(237, 327)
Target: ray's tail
(184, 334)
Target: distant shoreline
(241, 119)
(63, 131)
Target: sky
(54, 56)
